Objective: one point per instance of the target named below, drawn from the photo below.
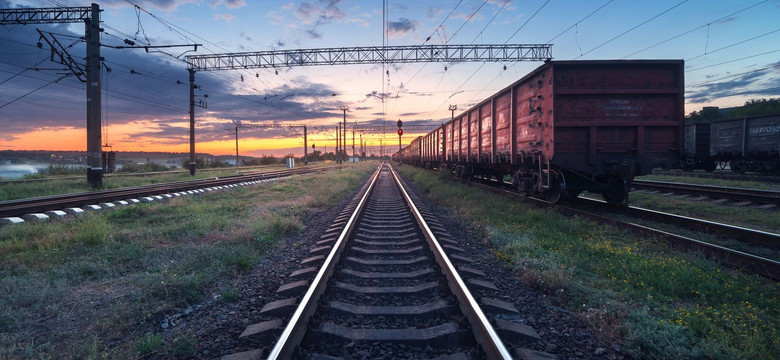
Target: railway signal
(400, 133)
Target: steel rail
(742, 194)
(710, 175)
(243, 169)
(55, 202)
(765, 238)
(296, 327)
(483, 331)
(752, 263)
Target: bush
(140, 168)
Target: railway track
(718, 192)
(711, 175)
(30, 206)
(141, 174)
(752, 263)
(387, 282)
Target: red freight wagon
(571, 126)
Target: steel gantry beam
(26, 16)
(379, 128)
(370, 55)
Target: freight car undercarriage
(534, 177)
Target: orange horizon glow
(123, 138)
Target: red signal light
(400, 132)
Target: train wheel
(616, 192)
(557, 190)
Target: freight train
(749, 144)
(567, 127)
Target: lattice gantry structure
(370, 55)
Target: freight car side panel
(608, 115)
(532, 111)
(751, 138)
(763, 136)
(473, 134)
(440, 144)
(486, 133)
(503, 137)
(464, 138)
(726, 138)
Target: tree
(759, 107)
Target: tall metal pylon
(91, 18)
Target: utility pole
(235, 131)
(305, 147)
(192, 121)
(353, 141)
(338, 143)
(94, 123)
(344, 108)
(453, 108)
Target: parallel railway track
(18, 208)
(388, 282)
(718, 192)
(713, 175)
(751, 263)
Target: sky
(731, 51)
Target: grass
(656, 302)
(93, 286)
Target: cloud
(758, 83)
(227, 17)
(316, 14)
(400, 28)
(314, 34)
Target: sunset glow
(728, 48)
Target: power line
(735, 44)
(731, 61)
(581, 20)
(467, 21)
(633, 28)
(527, 21)
(44, 85)
(490, 22)
(443, 21)
(23, 70)
(696, 28)
(483, 64)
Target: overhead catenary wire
(735, 44)
(33, 91)
(633, 28)
(696, 28)
(483, 64)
